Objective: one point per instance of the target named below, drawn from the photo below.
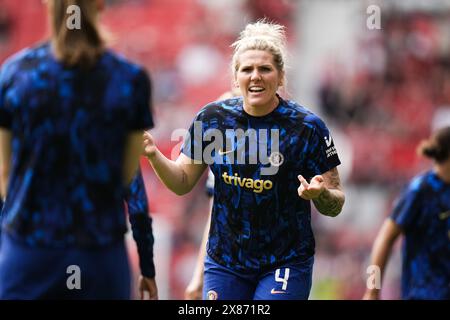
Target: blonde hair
(265, 36)
(437, 147)
(81, 47)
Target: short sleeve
(193, 144)
(321, 154)
(141, 118)
(407, 207)
(5, 112)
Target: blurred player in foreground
(422, 215)
(71, 117)
(260, 244)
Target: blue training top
(258, 219)
(423, 212)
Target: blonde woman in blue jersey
(422, 216)
(269, 157)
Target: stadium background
(380, 91)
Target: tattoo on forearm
(331, 201)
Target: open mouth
(256, 89)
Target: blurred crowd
(387, 104)
(396, 93)
(398, 87)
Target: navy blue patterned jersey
(258, 219)
(423, 213)
(69, 129)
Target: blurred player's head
(437, 147)
(72, 45)
(258, 62)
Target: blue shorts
(28, 272)
(291, 281)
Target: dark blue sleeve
(193, 144)
(141, 118)
(407, 206)
(141, 224)
(321, 152)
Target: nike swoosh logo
(273, 291)
(444, 215)
(224, 152)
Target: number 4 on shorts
(282, 280)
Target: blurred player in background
(260, 244)
(195, 287)
(71, 117)
(422, 215)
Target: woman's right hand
(149, 146)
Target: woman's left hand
(311, 190)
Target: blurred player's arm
(5, 159)
(141, 226)
(195, 287)
(325, 191)
(133, 149)
(381, 251)
(179, 176)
